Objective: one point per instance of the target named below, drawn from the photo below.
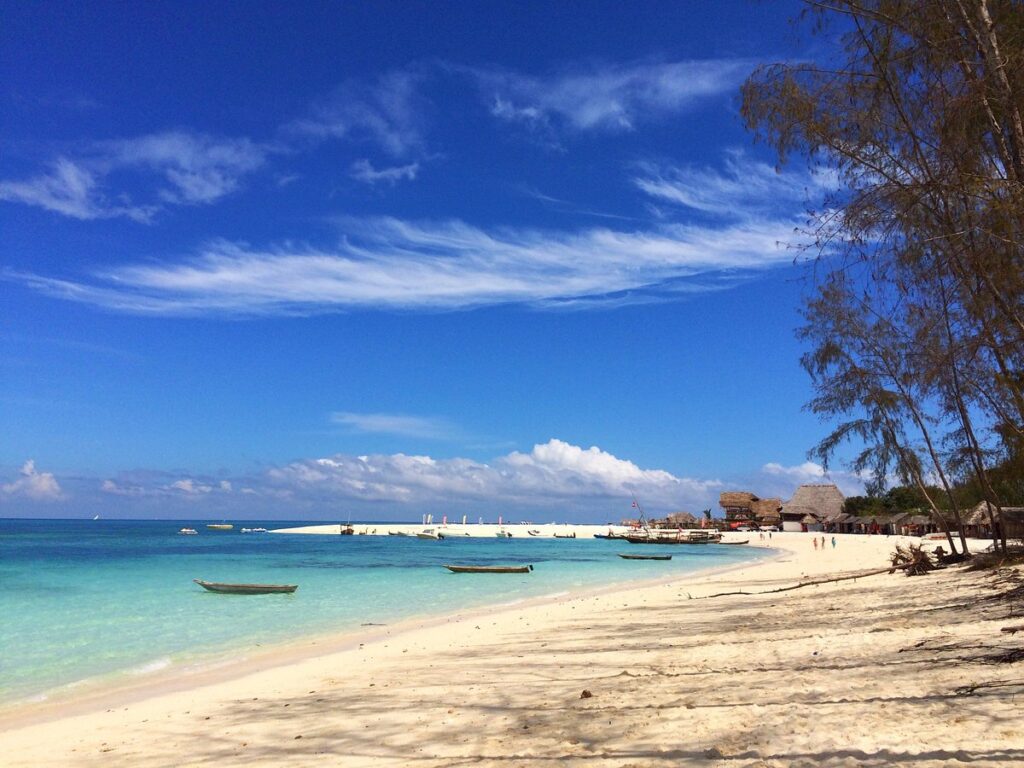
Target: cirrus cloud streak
(388, 263)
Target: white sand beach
(884, 670)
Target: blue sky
(388, 258)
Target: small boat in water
(188, 532)
(489, 568)
(504, 534)
(397, 533)
(565, 535)
(255, 530)
(245, 589)
(220, 526)
(734, 543)
(682, 536)
(430, 533)
(646, 557)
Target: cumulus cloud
(606, 97)
(554, 475)
(551, 473)
(811, 472)
(807, 472)
(35, 485)
(391, 263)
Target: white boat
(429, 533)
(188, 532)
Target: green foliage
(915, 325)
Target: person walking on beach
(833, 542)
(815, 541)
(823, 542)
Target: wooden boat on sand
(245, 589)
(646, 557)
(565, 535)
(734, 543)
(489, 568)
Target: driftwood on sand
(811, 583)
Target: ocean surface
(86, 602)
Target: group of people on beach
(815, 542)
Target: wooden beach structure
(745, 509)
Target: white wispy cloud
(196, 168)
(606, 97)
(741, 187)
(33, 484)
(390, 263)
(395, 424)
(170, 168)
(363, 170)
(387, 112)
(72, 189)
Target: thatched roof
(823, 501)
(918, 520)
(979, 514)
(681, 517)
(736, 499)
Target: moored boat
(565, 535)
(188, 532)
(220, 526)
(733, 543)
(645, 557)
(681, 536)
(245, 589)
(429, 533)
(489, 568)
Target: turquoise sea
(86, 602)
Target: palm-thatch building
(745, 508)
(978, 523)
(814, 507)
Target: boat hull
(646, 557)
(489, 568)
(246, 589)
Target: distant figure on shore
(833, 542)
(815, 541)
(822, 542)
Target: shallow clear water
(82, 599)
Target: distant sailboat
(96, 517)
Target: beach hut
(978, 523)
(818, 501)
(748, 509)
